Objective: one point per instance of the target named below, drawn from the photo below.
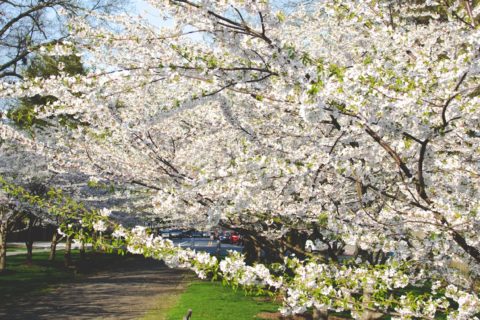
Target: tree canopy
(358, 119)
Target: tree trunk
(368, 313)
(82, 251)
(29, 245)
(273, 252)
(320, 314)
(251, 249)
(3, 245)
(29, 242)
(294, 242)
(94, 242)
(53, 247)
(68, 252)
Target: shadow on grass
(100, 286)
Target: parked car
(235, 238)
(175, 233)
(196, 234)
(224, 237)
(164, 233)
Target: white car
(315, 246)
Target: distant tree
(27, 25)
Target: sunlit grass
(212, 301)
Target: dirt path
(126, 292)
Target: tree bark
(3, 245)
(82, 251)
(318, 314)
(29, 242)
(53, 247)
(68, 252)
(29, 245)
(368, 313)
(94, 242)
(294, 242)
(251, 249)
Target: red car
(235, 238)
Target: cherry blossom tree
(355, 119)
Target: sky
(147, 11)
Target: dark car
(224, 237)
(195, 234)
(163, 233)
(176, 233)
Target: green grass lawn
(16, 249)
(212, 301)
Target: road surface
(205, 244)
(199, 244)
